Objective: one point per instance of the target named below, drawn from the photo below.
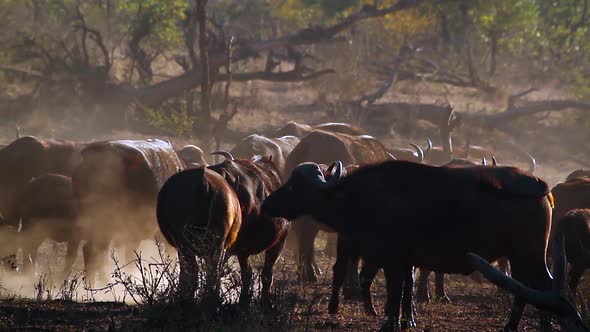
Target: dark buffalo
(438, 156)
(579, 173)
(197, 200)
(277, 148)
(323, 147)
(194, 204)
(115, 188)
(570, 195)
(299, 130)
(406, 214)
(575, 228)
(29, 157)
(422, 294)
(191, 154)
(47, 211)
(554, 301)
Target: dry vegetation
(46, 94)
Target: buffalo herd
(391, 209)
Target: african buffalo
(579, 173)
(422, 294)
(406, 214)
(277, 148)
(293, 128)
(191, 154)
(575, 228)
(199, 201)
(47, 210)
(437, 155)
(29, 157)
(570, 195)
(115, 190)
(324, 147)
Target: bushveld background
(515, 73)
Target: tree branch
(319, 34)
(404, 53)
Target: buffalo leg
(394, 280)
(407, 313)
(188, 278)
(305, 233)
(351, 281)
(71, 255)
(30, 256)
(342, 257)
(575, 274)
(422, 291)
(270, 258)
(331, 244)
(246, 274)
(94, 260)
(532, 274)
(439, 288)
(367, 275)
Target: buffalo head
(302, 192)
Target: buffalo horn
(225, 154)
(484, 161)
(497, 277)
(553, 300)
(532, 164)
(494, 161)
(428, 146)
(391, 156)
(337, 174)
(419, 151)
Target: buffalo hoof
(390, 326)
(352, 293)
(422, 297)
(266, 303)
(444, 298)
(316, 270)
(333, 307)
(370, 311)
(309, 277)
(408, 324)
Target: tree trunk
(493, 53)
(207, 124)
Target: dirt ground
(474, 307)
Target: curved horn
(484, 161)
(428, 146)
(337, 174)
(420, 152)
(17, 132)
(391, 156)
(497, 277)
(532, 164)
(331, 168)
(225, 154)
(494, 161)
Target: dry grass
(295, 305)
